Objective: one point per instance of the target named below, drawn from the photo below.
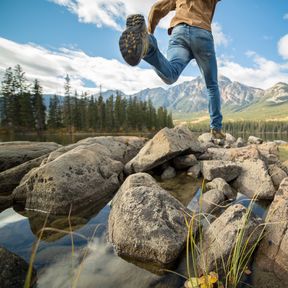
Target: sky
(53, 38)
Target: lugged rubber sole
(131, 41)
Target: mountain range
(191, 97)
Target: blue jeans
(187, 43)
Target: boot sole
(131, 40)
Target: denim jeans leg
(204, 53)
(178, 56)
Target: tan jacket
(192, 12)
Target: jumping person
(190, 38)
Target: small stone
(194, 171)
(254, 140)
(168, 173)
(211, 200)
(222, 185)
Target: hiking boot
(218, 134)
(134, 42)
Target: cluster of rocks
(140, 217)
(146, 222)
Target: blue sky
(50, 38)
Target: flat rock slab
(13, 270)
(146, 223)
(219, 239)
(254, 180)
(165, 145)
(226, 170)
(234, 154)
(77, 178)
(272, 255)
(18, 152)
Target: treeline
(259, 127)
(22, 108)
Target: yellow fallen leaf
(213, 277)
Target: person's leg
(178, 55)
(202, 45)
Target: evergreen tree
(55, 113)
(101, 113)
(38, 106)
(67, 107)
(9, 104)
(109, 112)
(23, 99)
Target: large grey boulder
(254, 180)
(219, 238)
(165, 145)
(16, 153)
(221, 185)
(226, 170)
(122, 148)
(9, 179)
(13, 270)
(78, 178)
(272, 254)
(146, 223)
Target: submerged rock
(194, 171)
(164, 146)
(226, 170)
(13, 270)
(219, 238)
(77, 178)
(272, 254)
(254, 180)
(18, 152)
(146, 223)
(168, 173)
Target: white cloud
(219, 37)
(283, 46)
(111, 13)
(264, 74)
(50, 68)
(285, 17)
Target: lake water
(91, 261)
